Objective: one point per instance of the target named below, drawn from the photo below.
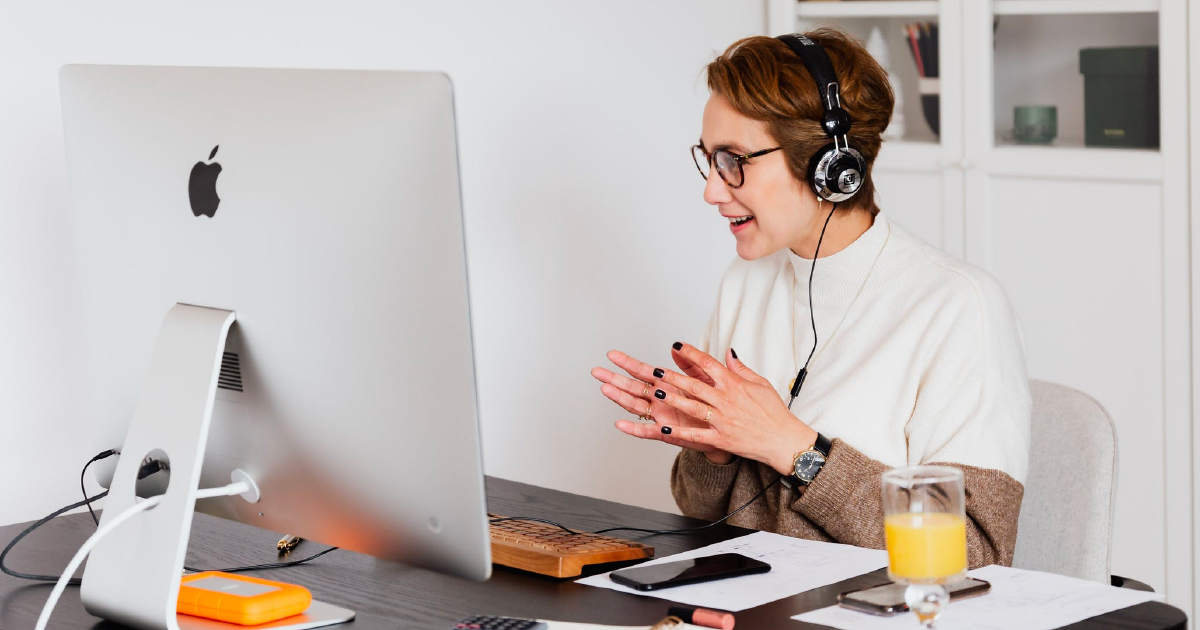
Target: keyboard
(548, 550)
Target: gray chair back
(1065, 525)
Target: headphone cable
(685, 530)
(795, 392)
(803, 373)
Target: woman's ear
(803, 188)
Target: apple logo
(202, 186)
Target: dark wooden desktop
(390, 596)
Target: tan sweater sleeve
(846, 501)
(702, 489)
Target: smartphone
(680, 572)
(888, 600)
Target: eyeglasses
(729, 165)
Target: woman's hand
(636, 395)
(731, 409)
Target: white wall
(586, 227)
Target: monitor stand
(133, 575)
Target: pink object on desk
(703, 617)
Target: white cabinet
(1091, 244)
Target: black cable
(147, 469)
(28, 530)
(796, 385)
(87, 501)
(269, 565)
(539, 520)
(75, 581)
(816, 254)
(691, 530)
(153, 466)
(686, 530)
(800, 376)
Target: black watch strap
(823, 444)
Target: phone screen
(668, 574)
(889, 598)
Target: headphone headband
(836, 171)
(818, 65)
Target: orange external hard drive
(244, 600)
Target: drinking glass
(925, 527)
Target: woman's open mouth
(737, 224)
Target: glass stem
(927, 601)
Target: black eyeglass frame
(710, 158)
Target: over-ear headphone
(836, 171)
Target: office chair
(1065, 525)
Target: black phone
(888, 600)
(680, 572)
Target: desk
(389, 596)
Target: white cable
(238, 487)
(225, 491)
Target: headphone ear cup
(836, 174)
(848, 171)
(816, 180)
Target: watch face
(808, 464)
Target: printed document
(797, 565)
(1030, 600)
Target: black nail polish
(659, 373)
(733, 352)
(660, 394)
(677, 345)
(666, 430)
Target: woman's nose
(716, 191)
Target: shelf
(930, 8)
(1075, 163)
(1029, 161)
(867, 8)
(1072, 7)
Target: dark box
(1120, 96)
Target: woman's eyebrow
(733, 147)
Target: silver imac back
(323, 208)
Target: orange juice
(925, 547)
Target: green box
(1120, 96)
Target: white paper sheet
(1030, 600)
(797, 565)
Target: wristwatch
(808, 463)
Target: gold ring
(645, 389)
(708, 416)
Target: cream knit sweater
(919, 360)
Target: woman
(915, 356)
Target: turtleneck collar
(838, 278)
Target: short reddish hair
(765, 80)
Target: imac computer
(273, 281)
